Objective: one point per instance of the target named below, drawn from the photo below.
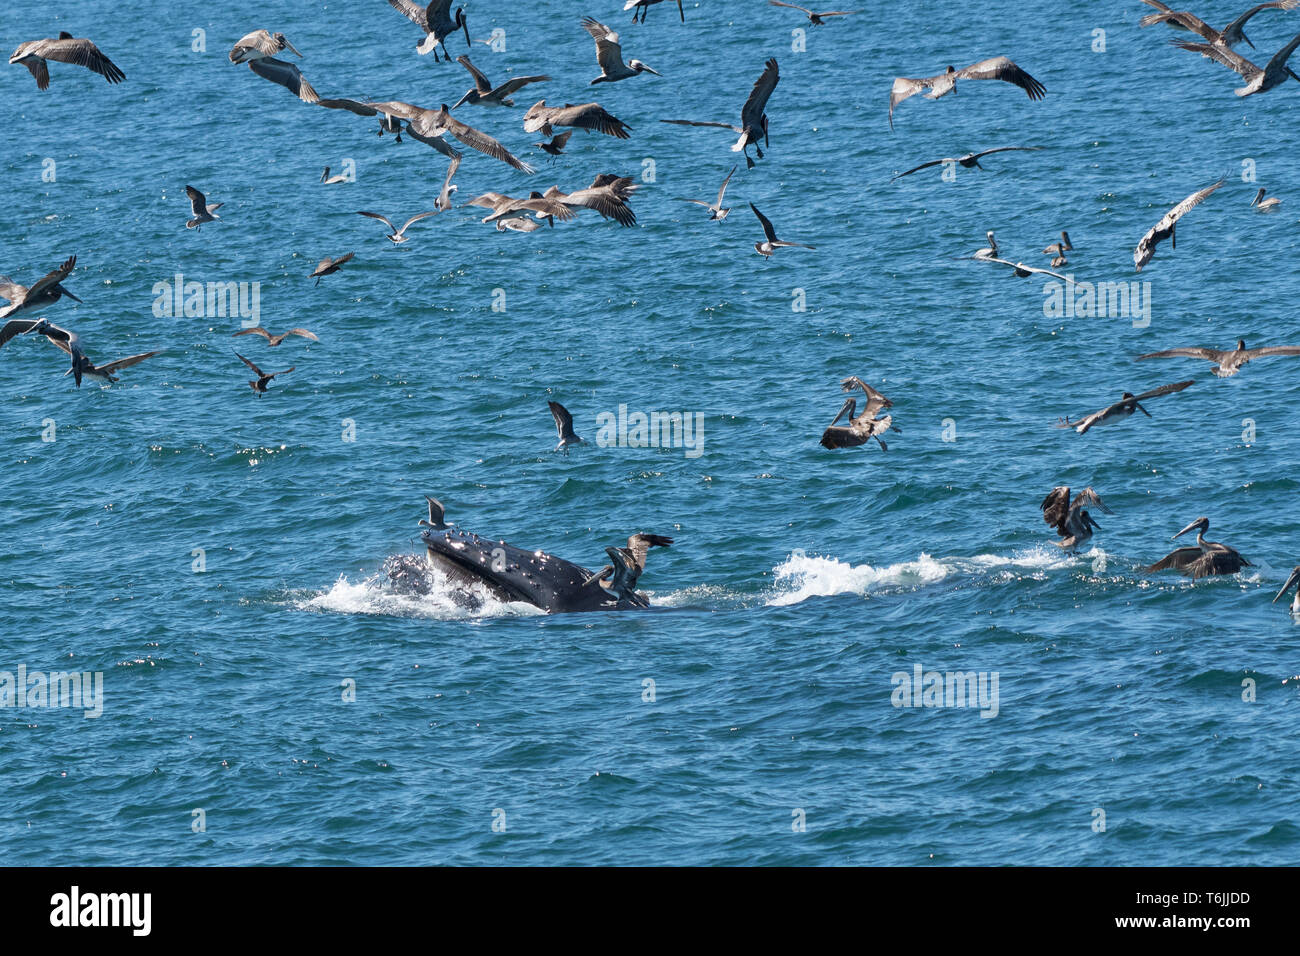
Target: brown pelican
(326, 267)
(1071, 519)
(643, 7)
(564, 427)
(1265, 205)
(388, 123)
(1126, 406)
(506, 207)
(1229, 36)
(1274, 73)
(518, 224)
(398, 235)
(990, 251)
(607, 195)
(861, 428)
(629, 563)
(259, 45)
(815, 19)
(329, 180)
(1060, 260)
(592, 116)
(263, 378)
(716, 212)
(274, 340)
(202, 210)
(432, 125)
(82, 366)
(65, 339)
(610, 55)
(556, 146)
(443, 202)
(1167, 227)
(1017, 268)
(1228, 361)
(44, 291)
(285, 74)
(487, 95)
(1291, 582)
(997, 68)
(436, 515)
(436, 21)
(770, 244)
(64, 49)
(753, 118)
(1064, 246)
(967, 161)
(1207, 558)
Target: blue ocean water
(801, 580)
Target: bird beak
(464, 22)
(292, 47)
(1191, 527)
(69, 294)
(1290, 582)
(1142, 410)
(1247, 39)
(648, 70)
(680, 11)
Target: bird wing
(53, 278)
(198, 203)
(903, 88)
(603, 201)
(563, 420)
(1278, 60)
(490, 200)
(433, 122)
(1272, 350)
(416, 218)
(397, 108)
(304, 333)
(514, 84)
(451, 171)
(1236, 25)
(1055, 508)
(1008, 149)
(10, 290)
(767, 224)
(1178, 559)
(285, 74)
(374, 215)
(1146, 246)
(591, 116)
(16, 327)
(259, 40)
(413, 12)
(256, 371)
(729, 126)
(1001, 68)
(723, 191)
(609, 54)
(81, 52)
(792, 6)
(1164, 390)
(1089, 497)
(641, 543)
(1187, 20)
(352, 106)
(347, 257)
(933, 162)
(1213, 355)
(128, 362)
(481, 82)
(1221, 54)
(751, 114)
(36, 66)
(1224, 561)
(256, 330)
(875, 401)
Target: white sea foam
(375, 595)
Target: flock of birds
(610, 196)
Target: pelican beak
(1290, 582)
(1247, 39)
(649, 70)
(69, 294)
(848, 408)
(680, 11)
(1191, 527)
(292, 47)
(464, 22)
(1142, 410)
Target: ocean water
(801, 580)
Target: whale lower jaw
(513, 574)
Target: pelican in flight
(436, 515)
(436, 21)
(274, 340)
(968, 161)
(1207, 558)
(816, 19)
(201, 209)
(260, 45)
(84, 367)
(1291, 582)
(1064, 246)
(430, 126)
(329, 180)
(399, 235)
(607, 195)
(629, 563)
(65, 339)
(507, 207)
(263, 378)
(609, 54)
(326, 267)
(997, 68)
(285, 74)
(1071, 519)
(388, 123)
(591, 116)
(485, 94)
(860, 428)
(45, 291)
(771, 243)
(1257, 80)
(1227, 361)
(1167, 227)
(518, 224)
(643, 7)
(564, 427)
(1126, 406)
(716, 212)
(1017, 268)
(1265, 205)
(1229, 36)
(64, 49)
(556, 146)
(753, 118)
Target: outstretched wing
(1165, 390)
(751, 114)
(384, 219)
(412, 11)
(767, 224)
(256, 371)
(641, 543)
(81, 52)
(53, 278)
(1213, 355)
(481, 82)
(128, 362)
(1001, 68)
(903, 88)
(1055, 507)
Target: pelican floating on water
(609, 54)
(44, 291)
(329, 180)
(861, 428)
(485, 94)
(564, 427)
(814, 19)
(590, 116)
(1167, 227)
(436, 21)
(753, 117)
(1292, 582)
(1227, 361)
(260, 45)
(1064, 246)
(1071, 519)
(202, 210)
(263, 378)
(716, 212)
(1265, 205)
(970, 160)
(771, 243)
(1207, 558)
(274, 340)
(1126, 406)
(65, 48)
(996, 68)
(399, 235)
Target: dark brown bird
(263, 378)
(274, 340)
(329, 266)
(64, 49)
(1207, 558)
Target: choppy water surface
(801, 580)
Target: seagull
(1071, 519)
(643, 7)
(1207, 558)
(263, 378)
(967, 161)
(504, 207)
(1018, 268)
(329, 180)
(274, 340)
(45, 291)
(326, 267)
(1064, 246)
(997, 68)
(1126, 406)
(716, 212)
(564, 427)
(610, 55)
(1227, 362)
(607, 195)
(436, 21)
(556, 146)
(771, 243)
(443, 201)
(64, 49)
(590, 116)
(518, 224)
(1258, 80)
(260, 45)
(399, 235)
(436, 515)
(861, 428)
(1229, 36)
(485, 94)
(203, 212)
(1265, 205)
(753, 118)
(287, 75)
(1291, 582)
(1167, 227)
(815, 19)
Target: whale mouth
(467, 560)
